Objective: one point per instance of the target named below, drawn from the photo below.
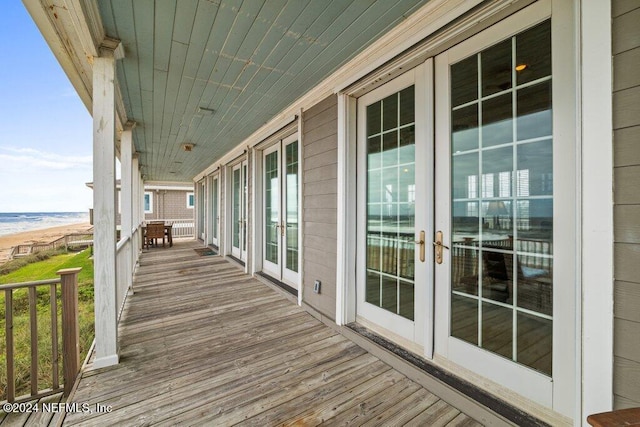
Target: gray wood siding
(626, 123)
(320, 188)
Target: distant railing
(180, 227)
(68, 281)
(76, 240)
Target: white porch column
(135, 196)
(126, 196)
(126, 188)
(104, 192)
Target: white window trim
(191, 205)
(150, 210)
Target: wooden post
(70, 327)
(33, 321)
(8, 303)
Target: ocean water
(17, 222)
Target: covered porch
(202, 342)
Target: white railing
(180, 227)
(124, 271)
(127, 254)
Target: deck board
(203, 343)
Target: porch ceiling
(246, 60)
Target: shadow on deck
(202, 343)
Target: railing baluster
(54, 337)
(8, 305)
(34, 340)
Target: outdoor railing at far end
(68, 282)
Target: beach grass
(43, 270)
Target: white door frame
(214, 215)
(278, 270)
(239, 251)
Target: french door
(215, 210)
(393, 293)
(281, 181)
(499, 311)
(201, 209)
(477, 173)
(239, 195)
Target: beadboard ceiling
(245, 60)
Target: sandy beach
(44, 235)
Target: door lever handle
(439, 246)
(421, 242)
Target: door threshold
(501, 410)
(278, 283)
(237, 260)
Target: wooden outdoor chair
(154, 231)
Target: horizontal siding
(629, 60)
(628, 228)
(318, 242)
(320, 173)
(323, 216)
(620, 7)
(320, 202)
(322, 159)
(626, 134)
(627, 345)
(627, 301)
(626, 265)
(327, 201)
(627, 377)
(627, 182)
(626, 31)
(319, 188)
(626, 152)
(626, 107)
(323, 145)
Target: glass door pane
(214, 213)
(272, 205)
(502, 199)
(291, 206)
(236, 208)
(243, 207)
(390, 205)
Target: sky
(45, 130)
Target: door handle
(421, 242)
(439, 247)
(282, 227)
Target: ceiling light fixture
(206, 111)
(187, 146)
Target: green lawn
(43, 270)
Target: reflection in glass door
(392, 283)
(281, 210)
(201, 209)
(238, 210)
(496, 311)
(502, 199)
(215, 210)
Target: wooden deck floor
(202, 343)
